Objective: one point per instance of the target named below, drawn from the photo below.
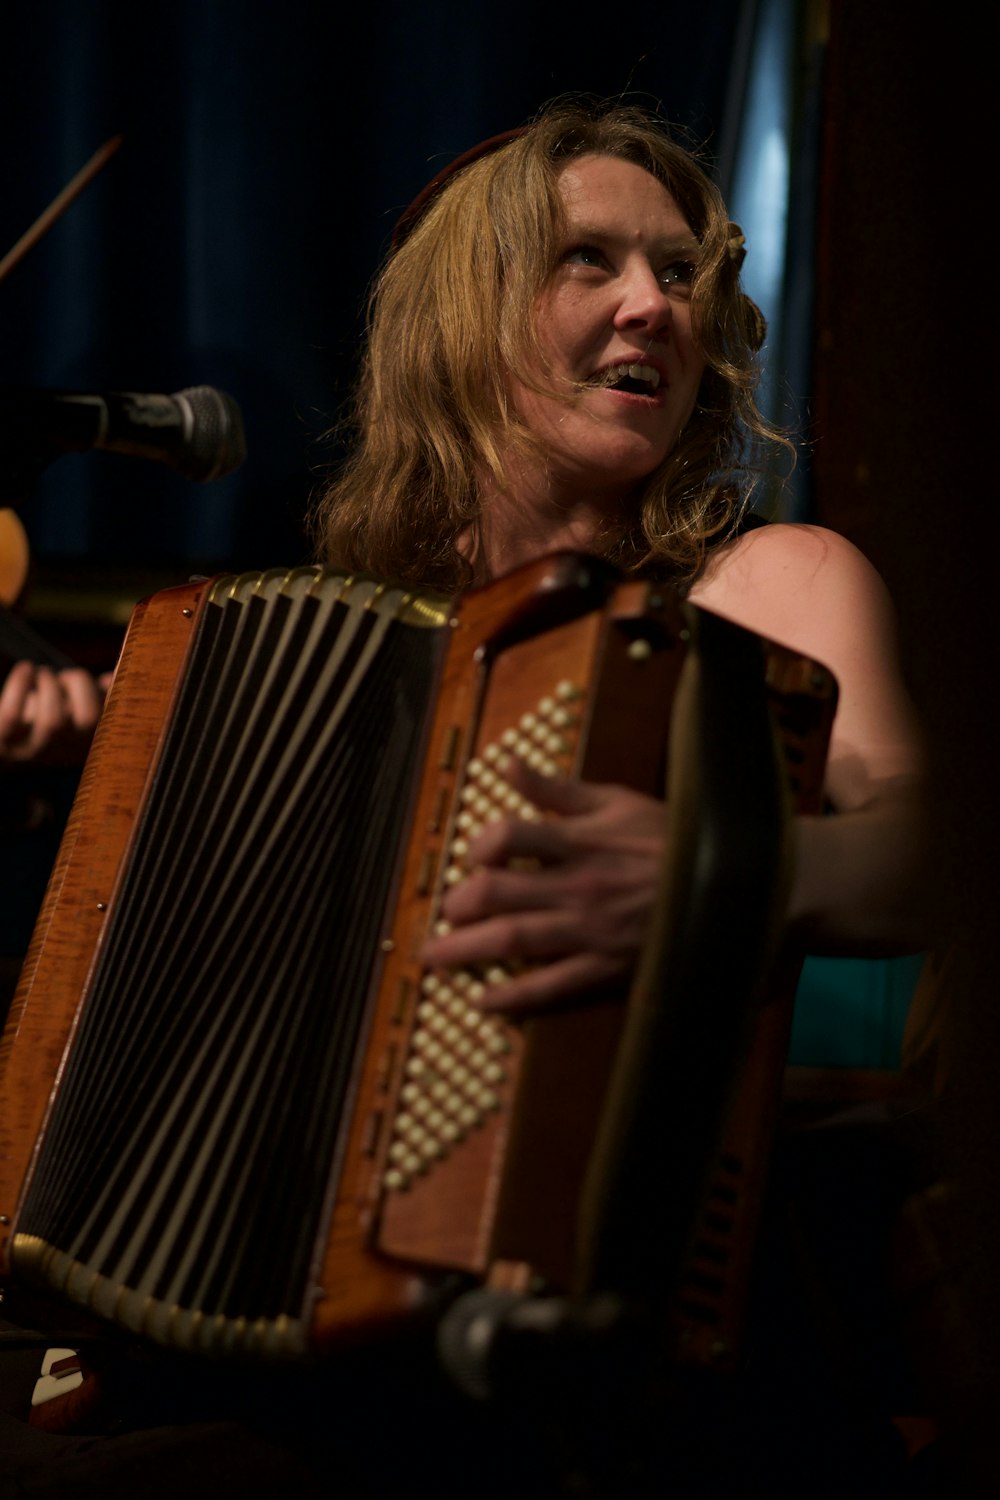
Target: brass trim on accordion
(236, 1114)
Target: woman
(560, 356)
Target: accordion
(238, 1116)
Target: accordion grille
(188, 1197)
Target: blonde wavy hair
(451, 318)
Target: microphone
(198, 432)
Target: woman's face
(615, 325)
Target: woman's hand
(47, 717)
(569, 897)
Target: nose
(644, 301)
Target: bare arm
(861, 880)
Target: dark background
(904, 393)
(268, 148)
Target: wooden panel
(81, 888)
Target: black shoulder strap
(749, 521)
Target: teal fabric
(850, 1012)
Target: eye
(678, 273)
(584, 255)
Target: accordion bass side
(237, 1116)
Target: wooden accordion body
(236, 1114)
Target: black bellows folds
(191, 1146)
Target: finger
(17, 686)
(82, 700)
(559, 794)
(578, 978)
(30, 705)
(491, 891)
(509, 937)
(583, 805)
(589, 818)
(516, 838)
(546, 839)
(45, 708)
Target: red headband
(409, 217)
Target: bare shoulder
(805, 586)
(814, 591)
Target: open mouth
(635, 379)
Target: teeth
(645, 373)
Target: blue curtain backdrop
(767, 168)
(267, 150)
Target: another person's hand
(47, 717)
(567, 897)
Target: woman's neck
(503, 548)
(527, 521)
